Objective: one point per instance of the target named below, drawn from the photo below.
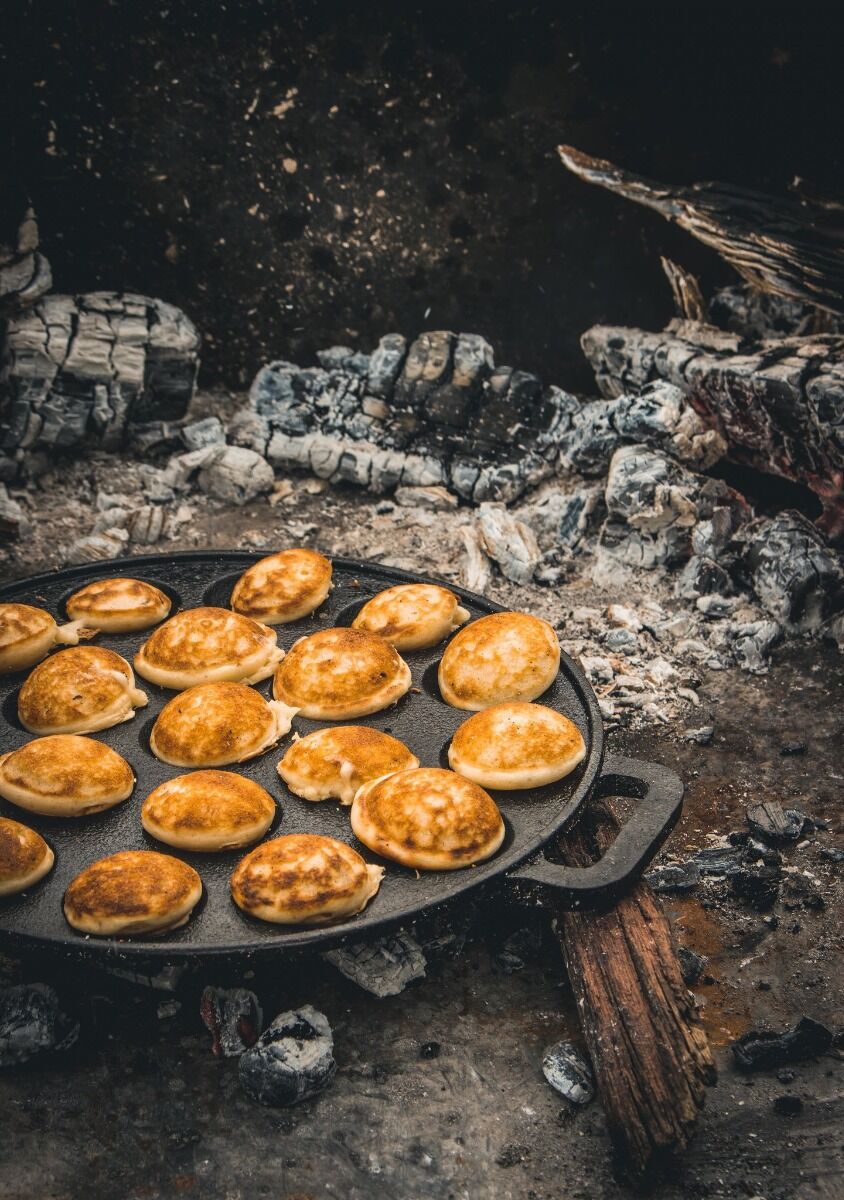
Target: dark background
(296, 175)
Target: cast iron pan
(421, 719)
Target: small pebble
(568, 1072)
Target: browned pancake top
(212, 719)
(208, 801)
(499, 657)
(204, 638)
(429, 809)
(18, 622)
(281, 583)
(133, 883)
(407, 608)
(21, 849)
(320, 755)
(336, 667)
(73, 685)
(66, 764)
(516, 735)
(298, 872)
(118, 596)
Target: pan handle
(659, 791)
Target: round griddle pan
(421, 719)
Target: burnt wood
(649, 1050)
(777, 245)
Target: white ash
(383, 967)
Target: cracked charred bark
(778, 403)
(79, 368)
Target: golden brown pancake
(505, 656)
(24, 857)
(118, 605)
(216, 724)
(516, 746)
(208, 645)
(27, 634)
(208, 811)
(79, 690)
(339, 674)
(304, 879)
(431, 819)
(283, 587)
(132, 892)
(332, 763)
(65, 775)
(412, 616)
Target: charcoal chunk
(757, 884)
(569, 1073)
(702, 577)
(674, 877)
(716, 860)
(208, 432)
(234, 1019)
(787, 1105)
(796, 575)
(691, 965)
(383, 967)
(762, 1051)
(773, 824)
(292, 1060)
(236, 475)
(703, 736)
(32, 1023)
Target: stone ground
(439, 1091)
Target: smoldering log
(778, 403)
(649, 1050)
(79, 369)
(776, 244)
(25, 273)
(441, 413)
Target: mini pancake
(208, 645)
(118, 605)
(331, 764)
(412, 616)
(304, 879)
(24, 857)
(283, 587)
(505, 656)
(339, 674)
(65, 776)
(79, 690)
(132, 892)
(27, 634)
(208, 811)
(216, 724)
(429, 818)
(515, 746)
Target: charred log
(778, 403)
(776, 245)
(80, 368)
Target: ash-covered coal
(292, 1060)
(383, 967)
(33, 1023)
(569, 1073)
(233, 1017)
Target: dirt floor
(439, 1091)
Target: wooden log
(776, 244)
(778, 403)
(649, 1050)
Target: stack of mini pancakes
(425, 818)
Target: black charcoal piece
(784, 1075)
(759, 851)
(796, 575)
(430, 1050)
(788, 1105)
(569, 1073)
(801, 891)
(702, 577)
(691, 965)
(32, 1023)
(762, 1051)
(291, 1061)
(674, 877)
(233, 1017)
(789, 749)
(831, 853)
(757, 884)
(716, 860)
(383, 967)
(770, 822)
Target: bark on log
(778, 403)
(777, 245)
(79, 368)
(649, 1050)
